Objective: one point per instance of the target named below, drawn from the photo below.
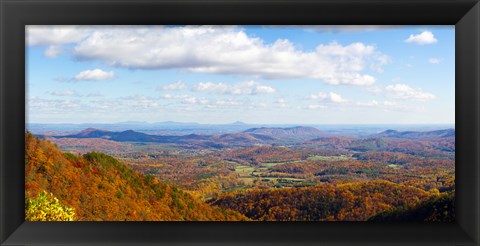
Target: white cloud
(330, 97)
(434, 60)
(220, 50)
(402, 91)
(55, 35)
(194, 100)
(243, 88)
(209, 86)
(175, 96)
(53, 51)
(179, 85)
(95, 74)
(227, 102)
(423, 38)
(315, 106)
(186, 99)
(65, 93)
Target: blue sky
(254, 74)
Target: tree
(46, 207)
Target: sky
(252, 74)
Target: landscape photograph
(240, 123)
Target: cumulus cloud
(202, 101)
(179, 85)
(95, 74)
(402, 91)
(423, 38)
(209, 86)
(55, 35)
(434, 61)
(243, 88)
(329, 97)
(220, 50)
(53, 51)
(65, 93)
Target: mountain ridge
(443, 133)
(249, 136)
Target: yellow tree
(46, 207)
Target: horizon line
(231, 123)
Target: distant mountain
(446, 133)
(223, 140)
(91, 133)
(289, 132)
(239, 123)
(125, 136)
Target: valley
(218, 169)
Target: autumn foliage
(306, 182)
(100, 188)
(46, 207)
(325, 202)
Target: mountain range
(271, 135)
(446, 133)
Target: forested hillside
(436, 209)
(100, 188)
(356, 201)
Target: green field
(394, 166)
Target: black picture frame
(15, 14)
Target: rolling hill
(100, 188)
(446, 133)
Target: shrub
(46, 207)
